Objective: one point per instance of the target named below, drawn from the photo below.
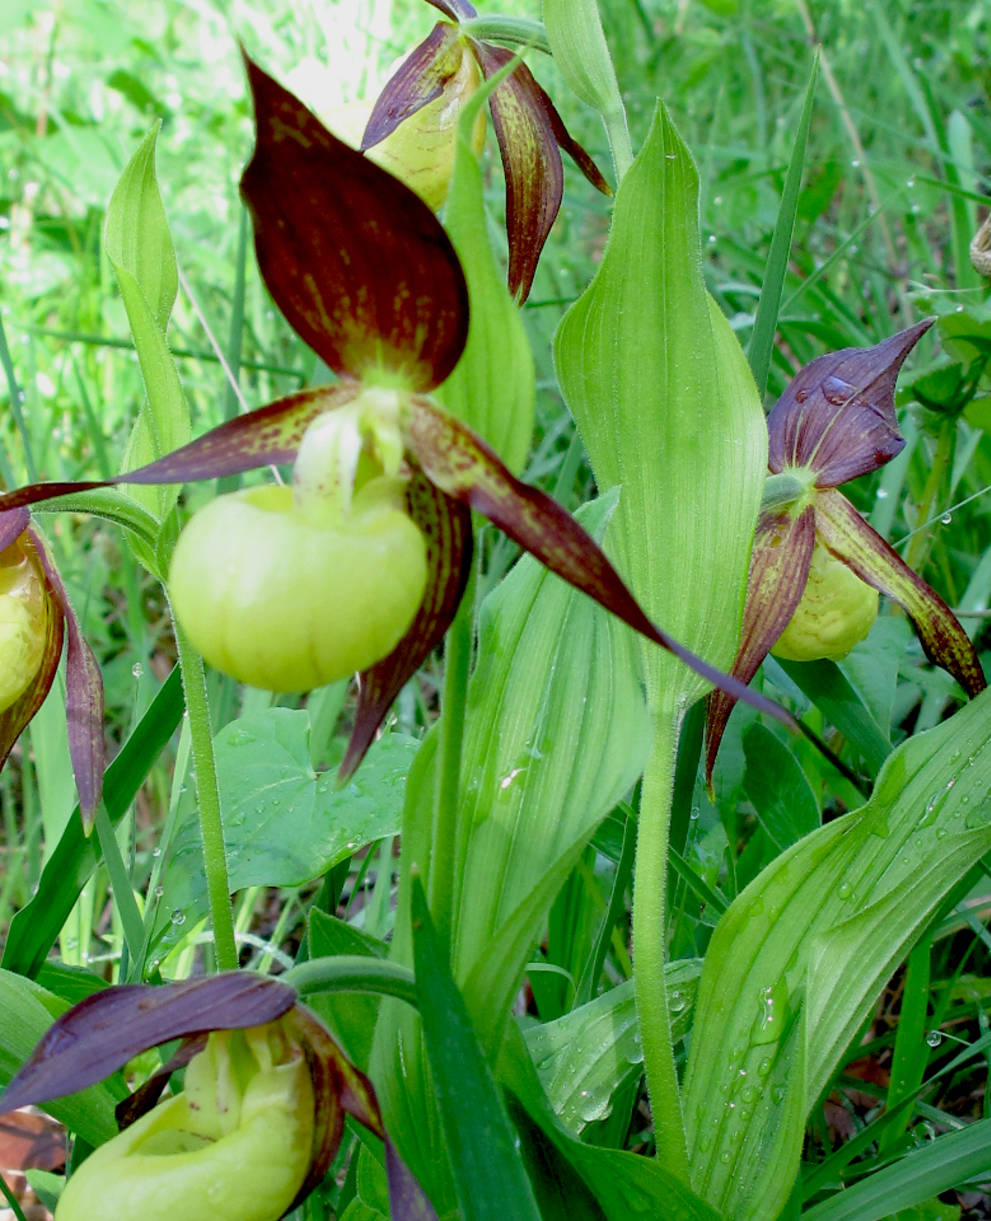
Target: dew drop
(159, 891)
(934, 1038)
(137, 669)
(882, 493)
(178, 916)
(946, 518)
(845, 891)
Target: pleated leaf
(798, 960)
(668, 410)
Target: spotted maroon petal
(862, 549)
(100, 1034)
(779, 572)
(269, 434)
(358, 263)
(529, 130)
(837, 416)
(458, 461)
(446, 525)
(418, 80)
(83, 699)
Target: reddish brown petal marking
(100, 1034)
(83, 699)
(460, 462)
(359, 265)
(15, 719)
(446, 527)
(779, 571)
(861, 548)
(418, 80)
(838, 414)
(269, 434)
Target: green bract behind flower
(234, 1146)
(836, 612)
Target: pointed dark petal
(571, 146)
(407, 1201)
(446, 526)
(457, 10)
(100, 1034)
(12, 525)
(83, 700)
(15, 719)
(848, 536)
(779, 571)
(419, 79)
(532, 163)
(269, 434)
(338, 1089)
(359, 265)
(838, 414)
(460, 462)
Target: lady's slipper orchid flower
(527, 126)
(816, 565)
(256, 1126)
(366, 275)
(35, 617)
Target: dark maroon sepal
(418, 80)
(837, 416)
(100, 1034)
(779, 572)
(359, 265)
(457, 10)
(446, 525)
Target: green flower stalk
(817, 566)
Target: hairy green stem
(352, 973)
(620, 145)
(444, 832)
(208, 800)
(649, 945)
(510, 31)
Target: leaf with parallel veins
(446, 527)
(269, 434)
(358, 264)
(779, 570)
(862, 549)
(837, 416)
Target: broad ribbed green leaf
(492, 387)
(137, 242)
(667, 408)
(799, 959)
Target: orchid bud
(236, 1145)
(23, 620)
(836, 612)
